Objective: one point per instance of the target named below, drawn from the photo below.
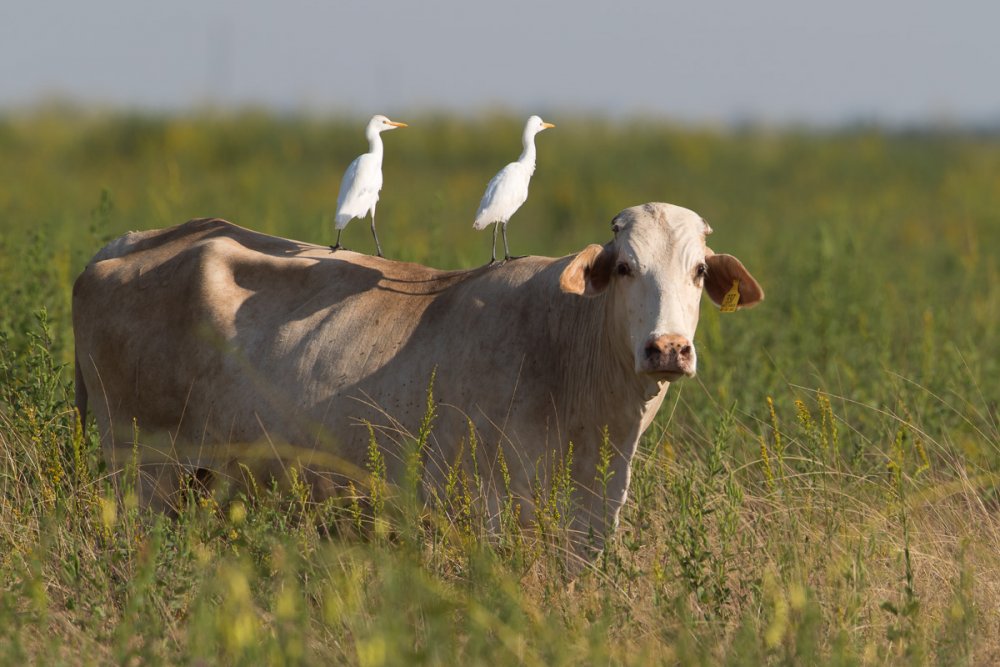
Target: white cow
(226, 345)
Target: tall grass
(826, 491)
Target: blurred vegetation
(824, 491)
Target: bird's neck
(375, 145)
(528, 154)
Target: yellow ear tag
(732, 298)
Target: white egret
(509, 188)
(362, 181)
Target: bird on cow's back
(363, 180)
(509, 188)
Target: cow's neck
(603, 378)
(604, 391)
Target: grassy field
(826, 491)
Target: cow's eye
(623, 269)
(701, 272)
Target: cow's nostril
(685, 351)
(652, 349)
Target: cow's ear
(589, 272)
(723, 270)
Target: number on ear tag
(732, 298)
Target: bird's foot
(507, 258)
(335, 248)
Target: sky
(702, 61)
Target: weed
(854, 524)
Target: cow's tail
(81, 395)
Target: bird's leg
(378, 248)
(493, 252)
(337, 246)
(506, 251)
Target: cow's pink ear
(723, 270)
(589, 273)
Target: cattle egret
(362, 181)
(509, 188)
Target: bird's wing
(359, 188)
(504, 194)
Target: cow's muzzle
(671, 355)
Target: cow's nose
(669, 344)
(669, 353)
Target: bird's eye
(623, 269)
(701, 272)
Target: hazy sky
(693, 60)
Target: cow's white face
(655, 269)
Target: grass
(825, 492)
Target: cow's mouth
(668, 375)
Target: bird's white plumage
(363, 179)
(359, 189)
(505, 193)
(508, 190)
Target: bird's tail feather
(482, 223)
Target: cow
(217, 344)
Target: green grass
(825, 491)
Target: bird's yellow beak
(394, 123)
(546, 126)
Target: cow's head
(655, 269)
